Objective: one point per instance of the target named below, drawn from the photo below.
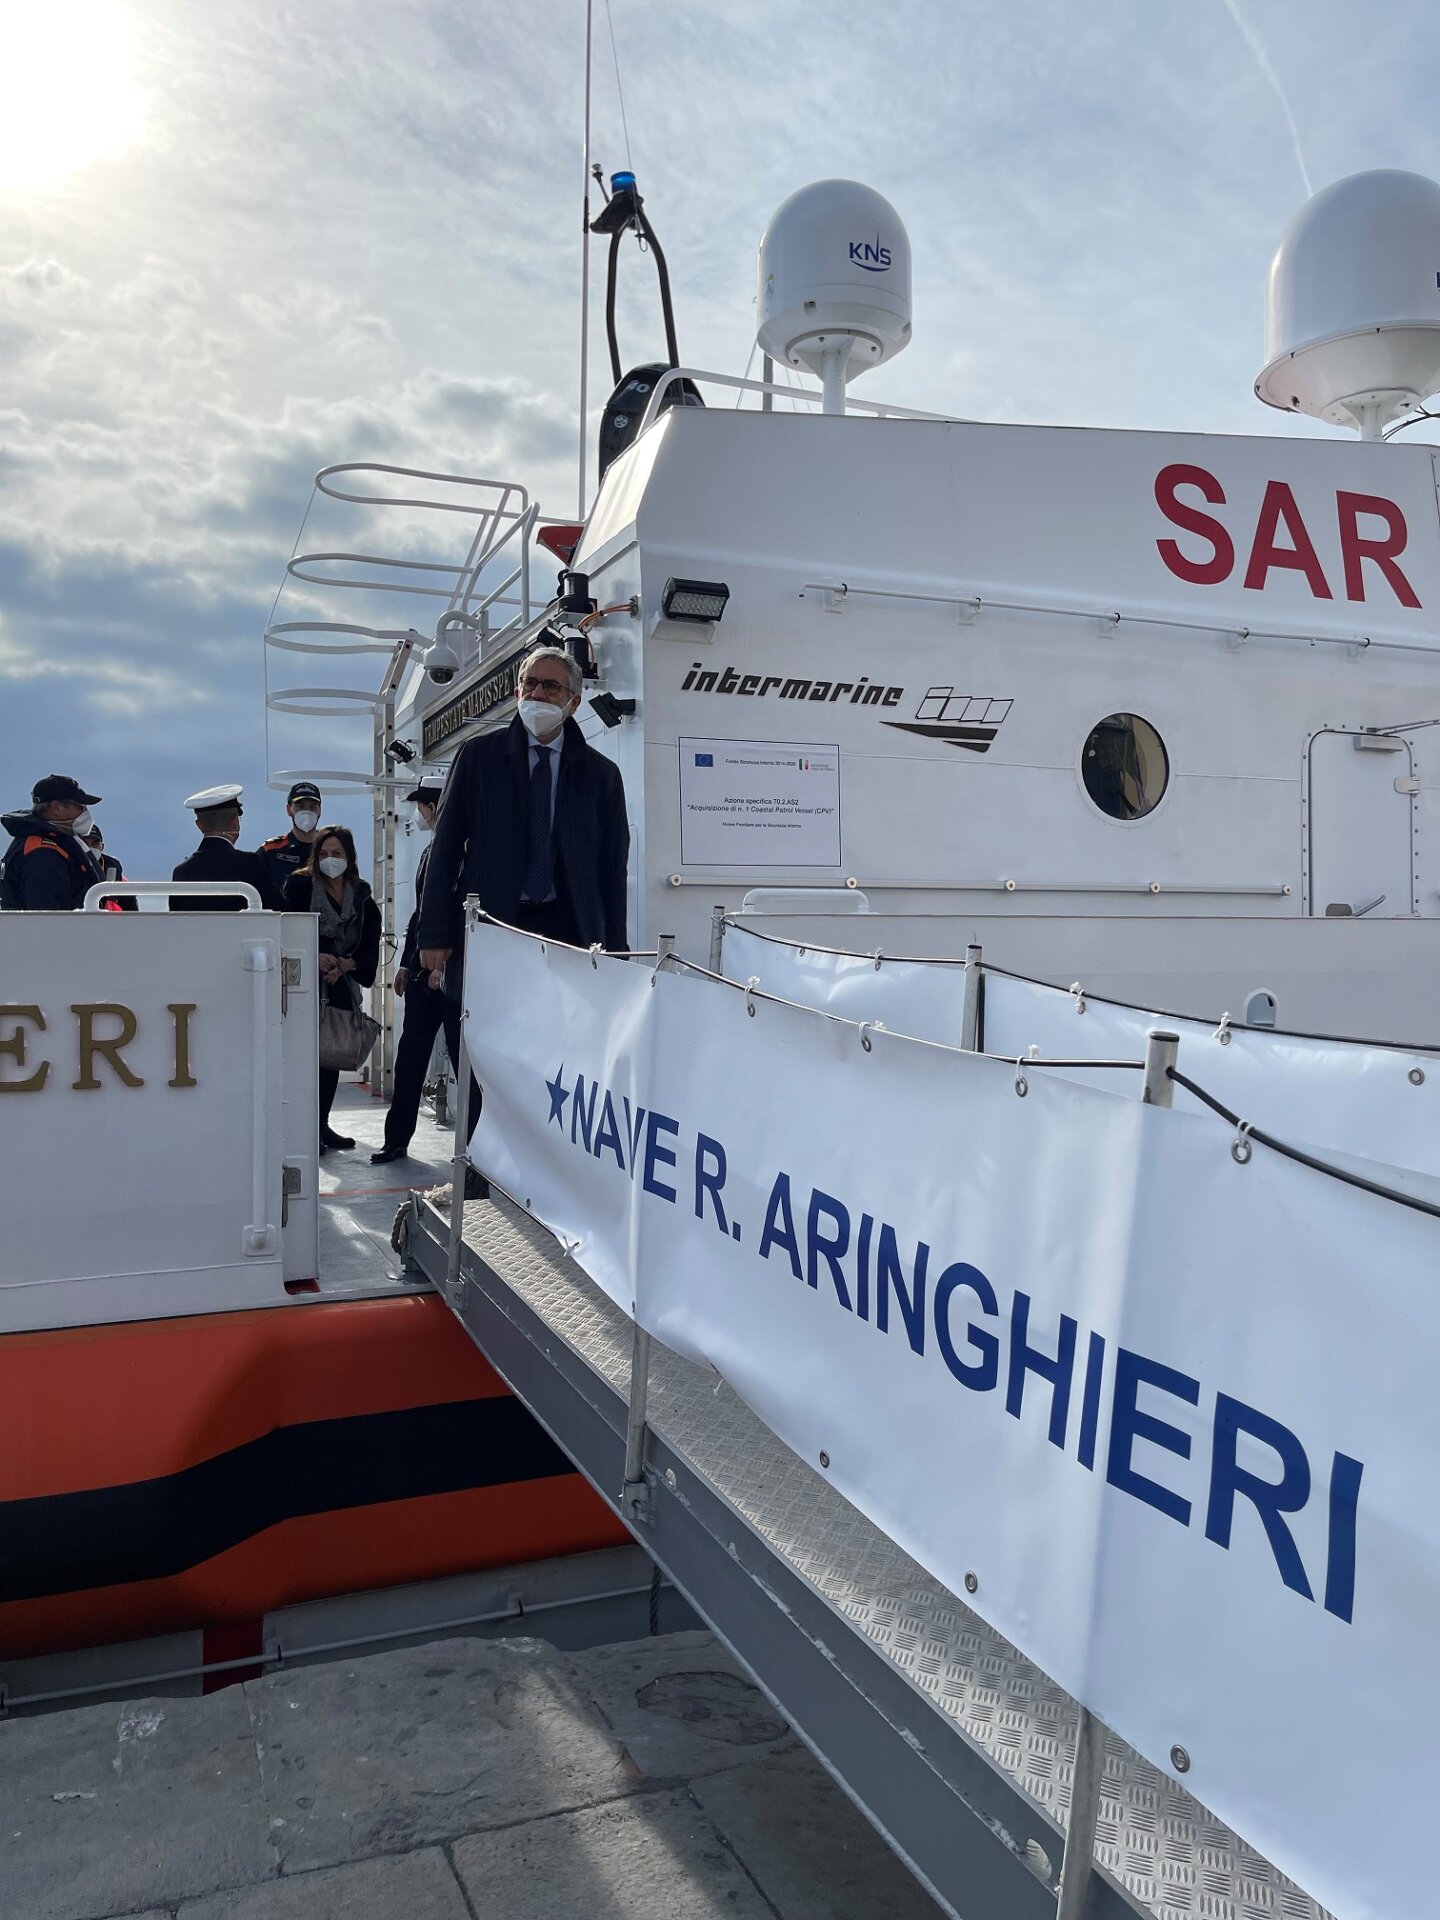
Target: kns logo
(870, 255)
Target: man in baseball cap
(47, 868)
(288, 852)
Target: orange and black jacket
(45, 869)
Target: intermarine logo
(863, 692)
(960, 719)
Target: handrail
(971, 605)
(504, 487)
(812, 395)
(228, 889)
(385, 638)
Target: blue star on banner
(559, 1094)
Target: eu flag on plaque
(704, 759)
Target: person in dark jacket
(47, 868)
(330, 885)
(110, 868)
(218, 860)
(533, 822)
(288, 852)
(427, 1009)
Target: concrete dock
(464, 1780)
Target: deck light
(694, 599)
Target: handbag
(347, 1036)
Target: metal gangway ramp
(958, 1749)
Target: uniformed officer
(288, 852)
(217, 813)
(47, 867)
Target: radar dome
(1352, 308)
(833, 293)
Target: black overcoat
(479, 843)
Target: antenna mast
(585, 263)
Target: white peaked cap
(222, 796)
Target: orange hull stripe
(104, 1406)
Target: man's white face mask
(305, 820)
(82, 824)
(539, 717)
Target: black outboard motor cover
(625, 408)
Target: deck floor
(463, 1780)
(358, 1202)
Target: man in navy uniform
(47, 866)
(427, 1007)
(533, 821)
(288, 852)
(218, 860)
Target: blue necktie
(539, 866)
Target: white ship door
(1359, 842)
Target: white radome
(833, 288)
(1352, 305)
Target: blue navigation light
(620, 182)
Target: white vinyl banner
(1340, 1097)
(922, 998)
(1174, 1411)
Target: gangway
(958, 1749)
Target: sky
(241, 243)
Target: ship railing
(478, 608)
(484, 596)
(772, 390)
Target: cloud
(356, 237)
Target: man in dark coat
(427, 1008)
(533, 822)
(217, 859)
(47, 868)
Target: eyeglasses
(530, 684)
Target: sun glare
(68, 95)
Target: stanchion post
(635, 1494)
(717, 938)
(1161, 1047)
(1086, 1777)
(460, 1159)
(459, 1166)
(970, 1005)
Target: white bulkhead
(1047, 677)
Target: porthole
(1125, 766)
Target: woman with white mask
(330, 886)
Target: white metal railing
(503, 520)
(812, 396)
(969, 606)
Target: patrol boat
(898, 609)
(1101, 750)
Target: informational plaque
(759, 803)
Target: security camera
(442, 663)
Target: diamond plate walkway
(465, 1780)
